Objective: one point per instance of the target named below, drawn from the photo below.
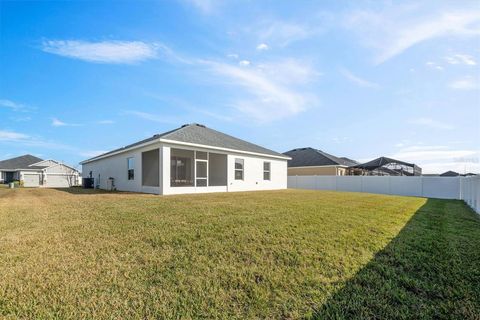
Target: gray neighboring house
(35, 172)
(309, 161)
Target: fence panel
(465, 188)
(346, 183)
(329, 183)
(406, 186)
(372, 184)
(441, 187)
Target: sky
(360, 79)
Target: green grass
(279, 254)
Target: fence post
(389, 184)
(421, 184)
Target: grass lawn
(275, 254)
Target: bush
(17, 183)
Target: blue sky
(359, 79)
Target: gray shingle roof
(21, 162)
(199, 134)
(449, 174)
(379, 162)
(306, 157)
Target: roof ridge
(182, 130)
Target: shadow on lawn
(83, 191)
(430, 270)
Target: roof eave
(279, 156)
(283, 157)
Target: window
(266, 171)
(131, 168)
(238, 169)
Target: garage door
(31, 180)
(59, 181)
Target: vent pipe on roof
(193, 124)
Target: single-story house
(310, 162)
(35, 172)
(189, 159)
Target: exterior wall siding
(115, 166)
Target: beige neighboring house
(311, 162)
(35, 172)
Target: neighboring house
(384, 166)
(449, 174)
(310, 161)
(36, 172)
(189, 159)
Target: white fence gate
(464, 188)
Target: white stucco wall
(116, 166)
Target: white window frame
(128, 168)
(269, 171)
(241, 170)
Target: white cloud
(23, 139)
(282, 33)
(357, 80)
(244, 63)
(11, 105)
(58, 123)
(398, 28)
(270, 91)
(289, 71)
(438, 159)
(431, 123)
(461, 59)
(103, 51)
(232, 55)
(262, 47)
(12, 136)
(433, 65)
(467, 83)
(15, 106)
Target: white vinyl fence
(470, 187)
(464, 188)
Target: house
(310, 161)
(449, 174)
(189, 159)
(36, 172)
(384, 166)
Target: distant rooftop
(21, 162)
(309, 157)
